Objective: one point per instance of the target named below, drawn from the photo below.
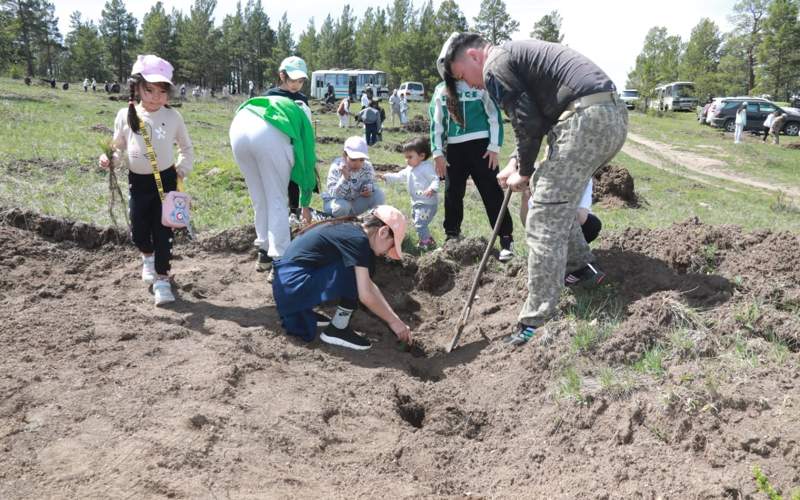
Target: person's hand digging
(403, 331)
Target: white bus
(675, 96)
(348, 82)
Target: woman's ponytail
(133, 117)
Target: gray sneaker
(264, 261)
(521, 335)
(162, 291)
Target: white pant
(737, 134)
(344, 121)
(265, 156)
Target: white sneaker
(162, 291)
(271, 275)
(148, 269)
(506, 254)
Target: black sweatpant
(465, 160)
(148, 234)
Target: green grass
(652, 362)
(48, 155)
(753, 158)
(569, 386)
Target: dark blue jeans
(371, 133)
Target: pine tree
(344, 38)
(308, 46)
(777, 53)
(494, 22)
(118, 27)
(548, 28)
(260, 39)
(700, 61)
(657, 62)
(197, 44)
(158, 33)
(84, 51)
(449, 19)
(749, 18)
(28, 27)
(368, 37)
(327, 41)
(234, 46)
(733, 65)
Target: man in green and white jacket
(465, 143)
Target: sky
(609, 32)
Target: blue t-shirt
(346, 242)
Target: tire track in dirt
(661, 155)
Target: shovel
(462, 321)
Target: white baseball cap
(443, 53)
(294, 67)
(356, 147)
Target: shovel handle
(462, 322)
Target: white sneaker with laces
(162, 291)
(506, 254)
(148, 269)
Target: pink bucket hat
(153, 69)
(395, 219)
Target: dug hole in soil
(104, 395)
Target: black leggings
(148, 234)
(465, 160)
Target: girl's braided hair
(457, 47)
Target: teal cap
(294, 67)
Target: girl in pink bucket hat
(150, 85)
(333, 260)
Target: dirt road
(667, 157)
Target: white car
(630, 97)
(414, 91)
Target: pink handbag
(175, 210)
(175, 204)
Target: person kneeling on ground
(351, 188)
(333, 260)
(591, 225)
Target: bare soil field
(104, 396)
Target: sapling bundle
(115, 193)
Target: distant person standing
(86, 85)
(370, 116)
(394, 105)
(94, 85)
(364, 100)
(183, 91)
(741, 123)
(343, 111)
(251, 89)
(403, 109)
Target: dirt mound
(239, 239)
(59, 229)
(435, 273)
(102, 129)
(387, 167)
(613, 187)
(689, 385)
(418, 124)
(324, 139)
(795, 145)
(467, 251)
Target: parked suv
(723, 114)
(630, 97)
(414, 91)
